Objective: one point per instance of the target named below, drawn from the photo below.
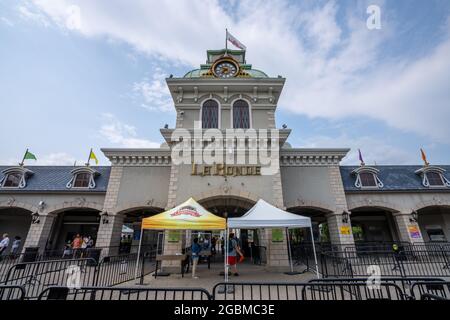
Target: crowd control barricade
(8, 293)
(124, 293)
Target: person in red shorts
(233, 251)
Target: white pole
(289, 249)
(314, 250)
(226, 253)
(138, 254)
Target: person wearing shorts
(195, 251)
(233, 251)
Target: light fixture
(104, 216)
(35, 218)
(414, 216)
(345, 216)
(41, 205)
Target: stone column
(277, 252)
(408, 230)
(109, 233)
(39, 233)
(108, 236)
(335, 224)
(336, 227)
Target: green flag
(29, 155)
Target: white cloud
(123, 135)
(374, 151)
(330, 73)
(30, 13)
(154, 92)
(6, 21)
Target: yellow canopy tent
(189, 215)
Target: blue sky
(82, 74)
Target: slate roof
(55, 178)
(394, 178)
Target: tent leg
(288, 241)
(138, 255)
(314, 250)
(225, 288)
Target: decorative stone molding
(13, 203)
(436, 201)
(123, 208)
(139, 157)
(311, 157)
(369, 202)
(76, 204)
(231, 192)
(311, 204)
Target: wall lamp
(345, 216)
(414, 216)
(105, 217)
(35, 218)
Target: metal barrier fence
(124, 293)
(11, 293)
(405, 263)
(37, 276)
(306, 291)
(434, 290)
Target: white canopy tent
(265, 215)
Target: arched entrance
(434, 223)
(15, 222)
(69, 223)
(228, 207)
(373, 224)
(131, 229)
(319, 225)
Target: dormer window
(367, 178)
(15, 177)
(82, 178)
(433, 177)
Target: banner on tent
(277, 235)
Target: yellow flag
(93, 157)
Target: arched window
(210, 114)
(241, 114)
(433, 177)
(83, 178)
(367, 178)
(15, 177)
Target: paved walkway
(209, 277)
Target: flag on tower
(360, 157)
(424, 157)
(27, 155)
(235, 41)
(93, 157)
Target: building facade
(228, 104)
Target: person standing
(16, 245)
(195, 253)
(76, 245)
(233, 251)
(4, 244)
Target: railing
(11, 293)
(124, 293)
(306, 291)
(434, 289)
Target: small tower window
(12, 180)
(210, 114)
(367, 177)
(15, 177)
(241, 115)
(434, 179)
(82, 180)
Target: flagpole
(89, 158)
(226, 40)
(23, 160)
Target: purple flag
(360, 157)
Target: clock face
(225, 69)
